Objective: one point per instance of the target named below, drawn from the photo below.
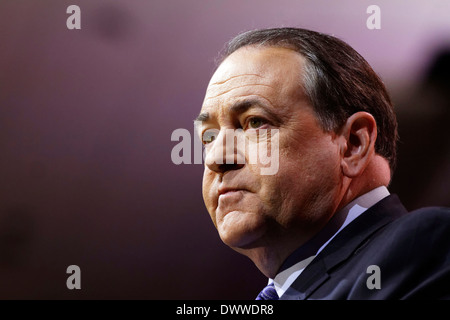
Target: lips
(228, 190)
(230, 196)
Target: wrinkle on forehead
(229, 82)
(233, 77)
(234, 88)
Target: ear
(358, 137)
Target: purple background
(86, 118)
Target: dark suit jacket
(412, 251)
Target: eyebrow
(204, 116)
(241, 107)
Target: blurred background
(86, 118)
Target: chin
(241, 230)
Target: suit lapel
(315, 276)
(344, 245)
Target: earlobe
(358, 147)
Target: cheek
(316, 158)
(207, 193)
(307, 183)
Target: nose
(226, 152)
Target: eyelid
(244, 126)
(247, 120)
(212, 132)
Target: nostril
(223, 164)
(229, 167)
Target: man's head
(335, 130)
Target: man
(323, 226)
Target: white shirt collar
(350, 212)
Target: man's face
(254, 89)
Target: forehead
(274, 74)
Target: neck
(268, 254)
(375, 175)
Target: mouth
(226, 190)
(230, 192)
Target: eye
(255, 123)
(209, 136)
